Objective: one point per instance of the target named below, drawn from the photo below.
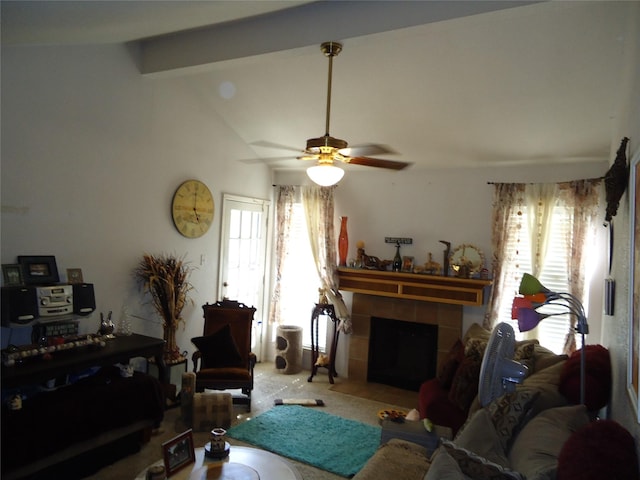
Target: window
(300, 282)
(553, 330)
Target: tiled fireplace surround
(447, 317)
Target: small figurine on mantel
(368, 261)
(431, 267)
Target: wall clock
(192, 208)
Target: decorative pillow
(219, 349)
(464, 386)
(477, 467)
(597, 377)
(476, 331)
(479, 436)
(544, 358)
(448, 368)
(523, 353)
(600, 449)
(443, 467)
(509, 412)
(546, 382)
(536, 449)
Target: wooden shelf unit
(414, 286)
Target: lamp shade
(325, 174)
(530, 285)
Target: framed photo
(39, 270)
(12, 275)
(178, 452)
(74, 275)
(633, 369)
(407, 264)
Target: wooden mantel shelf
(429, 288)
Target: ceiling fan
(328, 150)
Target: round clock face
(192, 209)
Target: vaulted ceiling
(443, 84)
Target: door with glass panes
(243, 247)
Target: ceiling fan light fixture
(325, 174)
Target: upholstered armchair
(223, 359)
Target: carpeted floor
(269, 386)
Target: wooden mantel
(414, 286)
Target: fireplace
(446, 318)
(402, 354)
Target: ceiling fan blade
(366, 150)
(251, 161)
(377, 162)
(263, 143)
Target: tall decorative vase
(343, 242)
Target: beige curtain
(285, 199)
(540, 199)
(582, 197)
(508, 205)
(318, 206)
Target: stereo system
(23, 304)
(55, 300)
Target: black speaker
(84, 300)
(19, 306)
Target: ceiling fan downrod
(330, 49)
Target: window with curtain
(547, 230)
(299, 281)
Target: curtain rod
(566, 181)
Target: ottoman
(204, 411)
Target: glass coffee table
(243, 463)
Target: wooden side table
(328, 310)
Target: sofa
(448, 398)
(534, 433)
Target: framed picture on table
(178, 452)
(74, 275)
(12, 275)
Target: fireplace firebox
(402, 354)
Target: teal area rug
(325, 441)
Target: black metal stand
(328, 310)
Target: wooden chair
(223, 359)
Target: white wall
(92, 153)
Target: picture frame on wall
(633, 370)
(12, 275)
(74, 276)
(178, 452)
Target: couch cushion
(397, 459)
(479, 436)
(444, 467)
(477, 467)
(218, 349)
(546, 382)
(509, 412)
(536, 449)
